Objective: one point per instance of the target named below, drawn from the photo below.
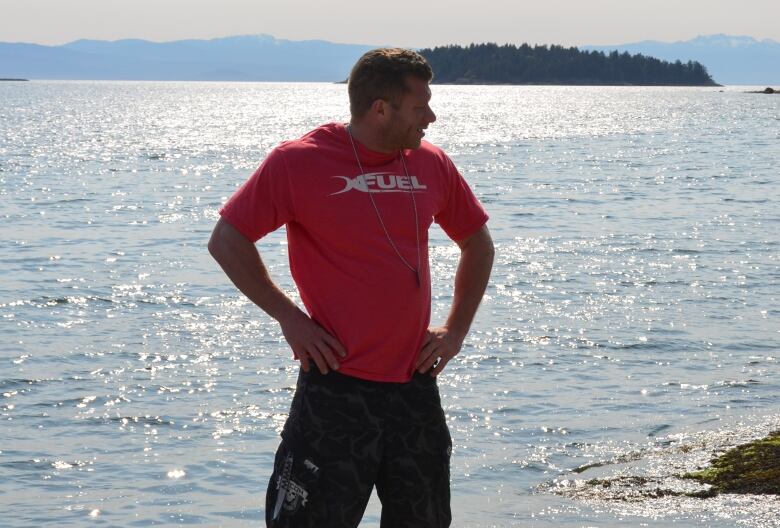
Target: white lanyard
(416, 271)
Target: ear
(379, 107)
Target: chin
(414, 144)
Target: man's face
(408, 119)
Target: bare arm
(241, 262)
(476, 261)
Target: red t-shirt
(350, 278)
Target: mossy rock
(748, 468)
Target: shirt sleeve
(264, 201)
(461, 214)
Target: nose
(431, 116)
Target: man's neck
(369, 137)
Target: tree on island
(510, 64)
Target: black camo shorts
(346, 435)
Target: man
(357, 201)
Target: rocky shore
(729, 475)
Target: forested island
(510, 64)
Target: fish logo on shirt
(380, 182)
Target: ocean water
(632, 318)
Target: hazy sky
(413, 23)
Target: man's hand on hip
(310, 342)
(441, 344)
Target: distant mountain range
(729, 59)
(243, 58)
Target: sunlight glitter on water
(633, 296)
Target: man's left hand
(441, 344)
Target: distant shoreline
(462, 82)
(768, 90)
(470, 82)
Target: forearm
(471, 279)
(241, 262)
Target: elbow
(216, 244)
(481, 243)
(213, 246)
(227, 243)
(218, 250)
(483, 247)
(490, 249)
(489, 252)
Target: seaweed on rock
(749, 468)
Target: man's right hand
(310, 342)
